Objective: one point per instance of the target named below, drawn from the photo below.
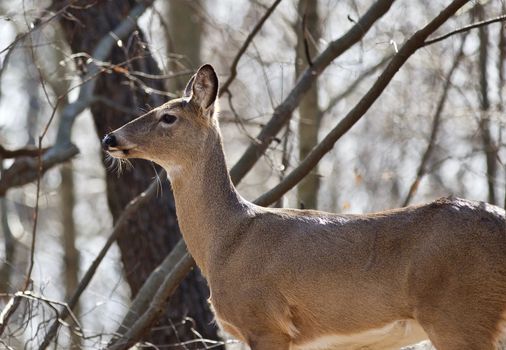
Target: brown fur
(281, 278)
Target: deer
(294, 279)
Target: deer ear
(203, 87)
(189, 86)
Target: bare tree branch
(465, 29)
(28, 151)
(422, 168)
(131, 208)
(6, 60)
(101, 52)
(152, 298)
(39, 24)
(242, 50)
(15, 301)
(356, 82)
(150, 287)
(283, 112)
(26, 170)
(410, 47)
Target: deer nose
(109, 141)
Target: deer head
(175, 133)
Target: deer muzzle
(116, 147)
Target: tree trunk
(71, 254)
(9, 243)
(153, 231)
(487, 139)
(500, 81)
(308, 32)
(183, 19)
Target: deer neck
(207, 203)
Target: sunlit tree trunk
(308, 33)
(153, 230)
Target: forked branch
(153, 297)
(26, 170)
(283, 112)
(436, 122)
(244, 47)
(129, 210)
(409, 48)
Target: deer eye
(168, 118)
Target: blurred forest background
(294, 74)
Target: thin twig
(35, 217)
(34, 59)
(31, 295)
(5, 63)
(40, 25)
(181, 263)
(410, 47)
(244, 47)
(5, 344)
(131, 208)
(25, 170)
(356, 82)
(237, 120)
(283, 112)
(465, 29)
(422, 168)
(161, 76)
(6, 314)
(100, 53)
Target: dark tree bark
(153, 231)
